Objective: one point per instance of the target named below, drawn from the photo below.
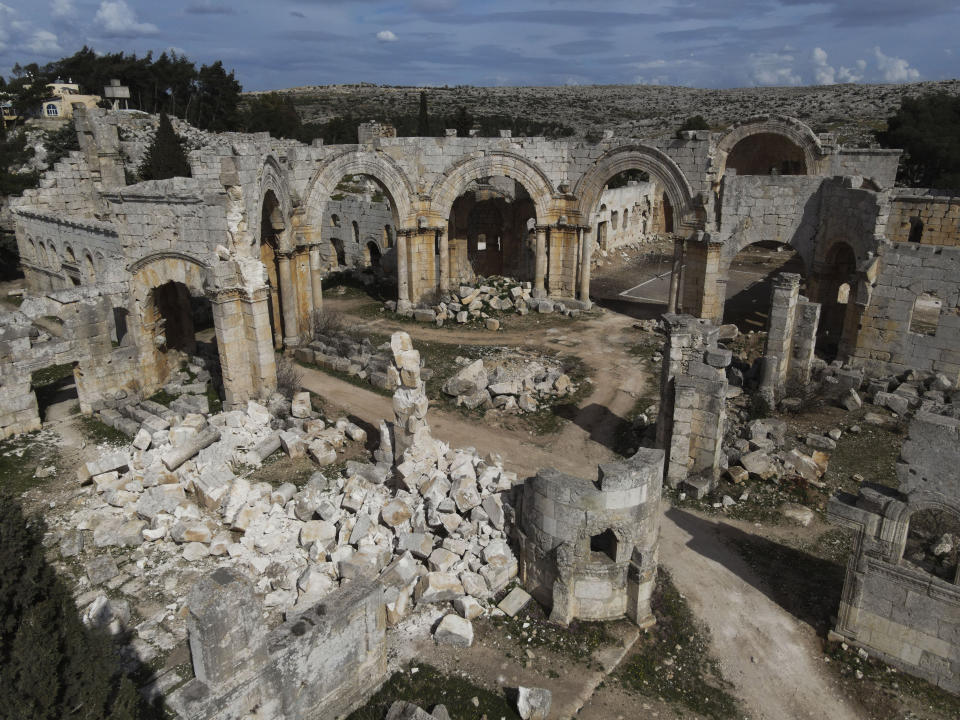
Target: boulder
(468, 381)
(533, 703)
(455, 631)
(438, 587)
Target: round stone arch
(272, 181)
(377, 165)
(455, 179)
(797, 132)
(901, 514)
(656, 163)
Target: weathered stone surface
(455, 631)
(438, 587)
(515, 601)
(101, 569)
(534, 703)
(468, 381)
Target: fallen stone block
(176, 457)
(534, 703)
(438, 587)
(101, 569)
(515, 601)
(455, 631)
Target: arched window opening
(356, 232)
(604, 546)
(387, 236)
(933, 543)
(52, 110)
(926, 314)
(374, 254)
(614, 220)
(334, 220)
(767, 154)
(916, 230)
(843, 294)
(338, 251)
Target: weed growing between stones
(671, 661)
(98, 432)
(426, 686)
(21, 456)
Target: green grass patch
(213, 399)
(98, 432)
(16, 300)
(429, 687)
(672, 661)
(162, 397)
(871, 453)
(51, 375)
(19, 459)
(346, 377)
(532, 629)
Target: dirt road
(771, 658)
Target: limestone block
(515, 601)
(455, 631)
(300, 405)
(438, 587)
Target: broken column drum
(588, 548)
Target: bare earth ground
(773, 660)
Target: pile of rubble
(428, 520)
(487, 301)
(513, 382)
(356, 357)
(532, 704)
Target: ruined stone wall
(877, 165)
(321, 663)
(791, 339)
(885, 343)
(372, 218)
(588, 549)
(928, 219)
(897, 611)
(636, 206)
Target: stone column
(675, 275)
(540, 269)
(316, 279)
(586, 252)
(781, 323)
(403, 274)
(288, 301)
(444, 264)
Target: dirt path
(771, 658)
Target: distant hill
(853, 112)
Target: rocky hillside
(851, 111)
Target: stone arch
(377, 165)
(455, 179)
(791, 129)
(70, 254)
(901, 515)
(31, 249)
(637, 156)
(89, 269)
(272, 183)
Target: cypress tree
(423, 122)
(166, 157)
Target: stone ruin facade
(588, 548)
(892, 607)
(254, 230)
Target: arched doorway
(489, 231)
(749, 282)
(373, 254)
(271, 228)
(836, 280)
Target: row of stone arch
(44, 254)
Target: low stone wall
(894, 609)
(323, 663)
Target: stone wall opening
(925, 317)
(491, 231)
(372, 254)
(749, 282)
(604, 546)
(55, 388)
(933, 543)
(767, 154)
(271, 230)
(360, 212)
(834, 283)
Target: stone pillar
(316, 279)
(444, 264)
(780, 327)
(403, 272)
(227, 634)
(701, 282)
(304, 281)
(675, 276)
(409, 399)
(288, 301)
(586, 256)
(540, 269)
(804, 343)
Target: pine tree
(165, 157)
(463, 122)
(423, 122)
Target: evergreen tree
(927, 128)
(423, 122)
(51, 665)
(463, 122)
(275, 114)
(165, 157)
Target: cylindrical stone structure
(403, 277)
(444, 264)
(586, 255)
(588, 548)
(540, 270)
(288, 300)
(316, 279)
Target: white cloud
(44, 42)
(823, 72)
(117, 19)
(386, 36)
(849, 75)
(773, 69)
(62, 8)
(895, 69)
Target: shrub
(289, 377)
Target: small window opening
(604, 544)
(916, 229)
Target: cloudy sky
(702, 43)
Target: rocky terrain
(850, 111)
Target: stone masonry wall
(885, 343)
(939, 216)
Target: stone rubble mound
(428, 520)
(512, 382)
(487, 301)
